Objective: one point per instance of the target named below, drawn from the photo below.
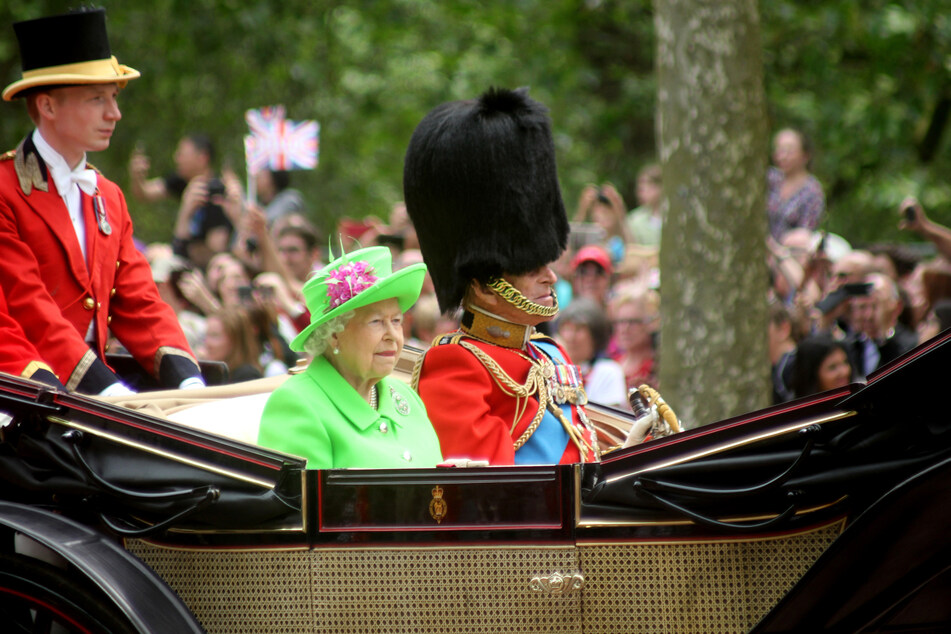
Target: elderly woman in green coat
(345, 411)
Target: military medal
(101, 219)
(400, 403)
(569, 385)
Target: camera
(245, 294)
(216, 187)
(910, 214)
(604, 200)
(265, 293)
(834, 299)
(858, 289)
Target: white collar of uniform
(59, 168)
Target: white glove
(117, 389)
(191, 383)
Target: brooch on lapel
(400, 403)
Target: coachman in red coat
(481, 188)
(69, 270)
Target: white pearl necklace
(374, 398)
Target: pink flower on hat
(348, 281)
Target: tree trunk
(713, 144)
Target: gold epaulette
(540, 335)
(9, 155)
(449, 338)
(440, 340)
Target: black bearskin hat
(481, 188)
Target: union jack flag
(280, 144)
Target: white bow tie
(85, 179)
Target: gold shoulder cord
(417, 370)
(418, 366)
(536, 383)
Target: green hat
(355, 280)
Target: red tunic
(472, 413)
(17, 355)
(54, 295)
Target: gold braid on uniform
(514, 297)
(535, 383)
(417, 370)
(576, 436)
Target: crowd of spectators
(838, 313)
(235, 270)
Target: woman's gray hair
(586, 312)
(316, 344)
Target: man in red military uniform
(481, 188)
(69, 269)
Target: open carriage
(826, 514)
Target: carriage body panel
(716, 529)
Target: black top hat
(71, 48)
(481, 188)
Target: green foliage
(866, 80)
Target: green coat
(319, 416)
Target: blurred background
(868, 82)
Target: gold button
(112, 293)
(108, 320)
(117, 265)
(407, 456)
(89, 303)
(98, 305)
(105, 348)
(384, 428)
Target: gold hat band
(97, 71)
(95, 68)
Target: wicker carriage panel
(392, 590)
(236, 592)
(473, 590)
(682, 587)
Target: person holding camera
(206, 218)
(913, 218)
(209, 207)
(70, 271)
(193, 157)
(876, 336)
(604, 207)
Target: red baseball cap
(592, 253)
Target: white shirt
(68, 190)
(60, 174)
